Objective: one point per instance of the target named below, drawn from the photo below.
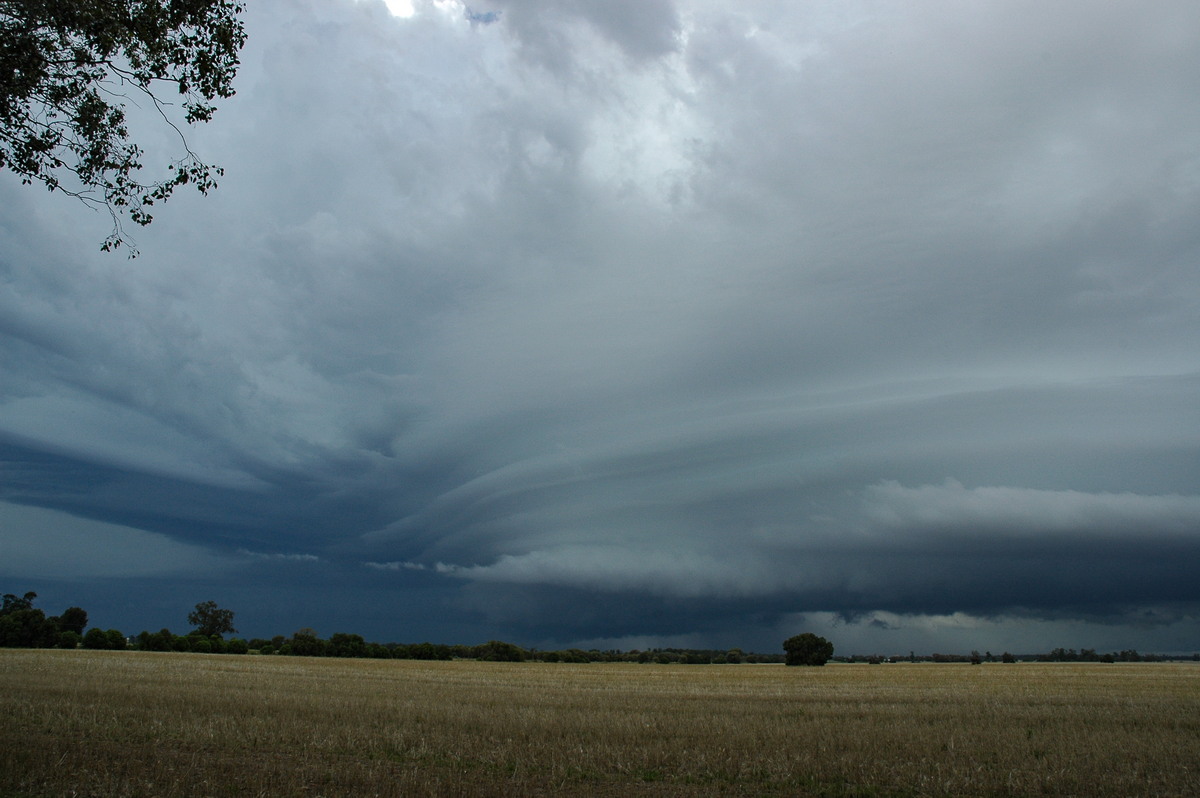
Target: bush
(236, 646)
(116, 640)
(69, 639)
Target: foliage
(499, 651)
(807, 649)
(342, 644)
(73, 619)
(209, 619)
(67, 70)
(305, 643)
(28, 629)
(13, 603)
(95, 638)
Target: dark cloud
(615, 323)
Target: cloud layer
(644, 320)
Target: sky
(638, 323)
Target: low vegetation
(107, 723)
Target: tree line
(24, 626)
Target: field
(124, 723)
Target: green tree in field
(67, 68)
(209, 619)
(807, 649)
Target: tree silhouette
(67, 69)
(807, 649)
(209, 619)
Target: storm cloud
(625, 324)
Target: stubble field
(125, 724)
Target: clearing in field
(125, 723)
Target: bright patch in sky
(401, 8)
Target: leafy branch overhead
(67, 70)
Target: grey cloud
(642, 29)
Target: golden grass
(132, 724)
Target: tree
(95, 638)
(209, 619)
(67, 69)
(24, 626)
(12, 603)
(73, 619)
(342, 644)
(807, 649)
(499, 651)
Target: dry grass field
(124, 724)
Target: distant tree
(73, 619)
(976, 658)
(499, 651)
(807, 649)
(69, 640)
(28, 628)
(236, 646)
(209, 619)
(116, 640)
(13, 603)
(95, 639)
(342, 644)
(68, 66)
(1006, 657)
(305, 643)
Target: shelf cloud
(587, 322)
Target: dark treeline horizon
(24, 626)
